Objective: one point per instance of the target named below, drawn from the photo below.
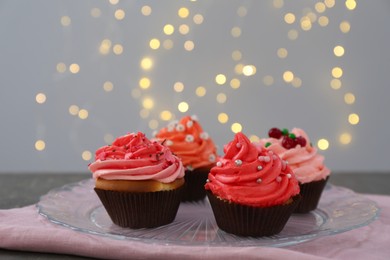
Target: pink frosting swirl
(135, 157)
(187, 140)
(251, 176)
(306, 163)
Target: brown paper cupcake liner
(311, 194)
(141, 209)
(195, 181)
(251, 221)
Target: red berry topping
(275, 133)
(288, 142)
(301, 141)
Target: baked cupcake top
(295, 148)
(135, 157)
(187, 140)
(250, 175)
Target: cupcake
(139, 182)
(252, 191)
(308, 166)
(197, 151)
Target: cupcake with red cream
(197, 151)
(252, 191)
(294, 147)
(138, 181)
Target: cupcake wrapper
(141, 209)
(195, 181)
(251, 221)
(311, 194)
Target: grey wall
(33, 42)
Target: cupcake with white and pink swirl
(138, 181)
(295, 148)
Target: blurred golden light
(189, 45)
(305, 23)
(74, 110)
(220, 79)
(114, 2)
(242, 11)
(353, 119)
(329, 3)
(146, 10)
(349, 98)
(236, 127)
(323, 21)
(168, 29)
(345, 27)
(345, 138)
(183, 12)
(148, 103)
(183, 107)
(108, 86)
(320, 7)
(221, 98)
(198, 19)
(105, 47)
(83, 114)
(236, 55)
(296, 82)
(268, 80)
(282, 53)
(236, 31)
(249, 70)
(337, 72)
(144, 83)
(238, 68)
(289, 18)
(65, 20)
(40, 145)
(338, 51)
(200, 91)
(153, 124)
(146, 63)
(235, 83)
(278, 3)
(168, 44)
(74, 68)
(154, 44)
(335, 83)
(288, 76)
(95, 12)
(292, 34)
(223, 118)
(350, 4)
(166, 115)
(144, 113)
(323, 144)
(86, 155)
(254, 138)
(312, 17)
(61, 67)
(178, 86)
(184, 29)
(40, 98)
(117, 49)
(119, 14)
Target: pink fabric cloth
(24, 229)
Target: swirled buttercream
(251, 175)
(187, 140)
(135, 157)
(306, 163)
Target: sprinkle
(259, 180)
(267, 159)
(194, 117)
(154, 134)
(284, 165)
(170, 128)
(212, 157)
(260, 158)
(259, 168)
(271, 152)
(189, 138)
(169, 143)
(189, 124)
(238, 145)
(189, 168)
(288, 175)
(207, 180)
(219, 164)
(278, 179)
(180, 128)
(238, 162)
(204, 135)
(274, 157)
(267, 144)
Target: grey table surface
(18, 190)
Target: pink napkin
(24, 229)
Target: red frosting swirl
(187, 140)
(251, 176)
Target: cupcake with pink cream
(187, 139)
(138, 181)
(308, 165)
(252, 191)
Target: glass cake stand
(76, 206)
